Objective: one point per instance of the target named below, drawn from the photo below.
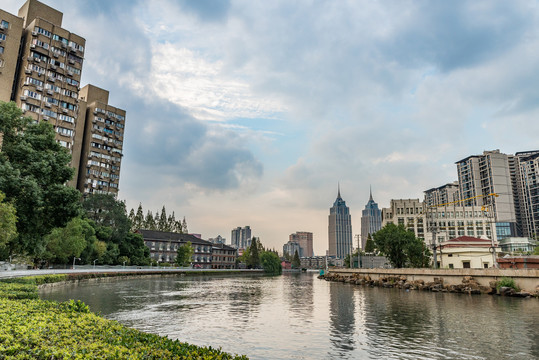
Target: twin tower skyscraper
(340, 226)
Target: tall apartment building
(492, 172)
(527, 185)
(101, 152)
(241, 237)
(10, 39)
(305, 242)
(40, 70)
(442, 195)
(371, 220)
(339, 229)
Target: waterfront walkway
(119, 269)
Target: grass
(35, 329)
(507, 282)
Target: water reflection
(296, 316)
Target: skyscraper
(340, 229)
(304, 240)
(371, 220)
(241, 237)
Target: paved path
(98, 269)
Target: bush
(507, 282)
(36, 329)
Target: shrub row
(37, 329)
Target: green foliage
(149, 222)
(507, 282)
(295, 261)
(184, 255)
(33, 171)
(401, 247)
(108, 212)
(65, 243)
(271, 263)
(35, 329)
(536, 251)
(8, 222)
(369, 245)
(133, 247)
(254, 255)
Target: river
(297, 316)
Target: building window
(1, 49)
(4, 24)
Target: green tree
(185, 254)
(171, 222)
(65, 243)
(369, 244)
(254, 255)
(33, 171)
(106, 211)
(149, 222)
(400, 246)
(184, 227)
(138, 221)
(271, 263)
(8, 224)
(295, 261)
(134, 248)
(162, 224)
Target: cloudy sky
(251, 112)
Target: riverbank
(36, 329)
(518, 283)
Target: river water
(297, 316)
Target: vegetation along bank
(35, 329)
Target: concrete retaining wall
(526, 279)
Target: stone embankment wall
(472, 281)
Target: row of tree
(256, 256)
(399, 245)
(45, 221)
(159, 221)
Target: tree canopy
(401, 247)
(295, 261)
(33, 171)
(271, 263)
(8, 224)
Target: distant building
(339, 229)
(291, 247)
(313, 262)
(527, 189)
(217, 240)
(301, 241)
(371, 220)
(241, 237)
(442, 195)
(407, 212)
(512, 244)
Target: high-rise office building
(241, 237)
(371, 220)
(40, 70)
(444, 194)
(339, 229)
(490, 173)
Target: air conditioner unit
(48, 105)
(69, 73)
(65, 111)
(55, 55)
(34, 33)
(71, 61)
(32, 46)
(46, 118)
(63, 45)
(50, 92)
(37, 60)
(23, 98)
(30, 58)
(39, 88)
(28, 71)
(51, 79)
(53, 67)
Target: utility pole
(434, 230)
(358, 252)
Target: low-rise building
(223, 256)
(313, 262)
(466, 252)
(511, 244)
(164, 247)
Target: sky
(251, 112)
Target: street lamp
(94, 262)
(124, 264)
(75, 258)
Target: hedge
(36, 329)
